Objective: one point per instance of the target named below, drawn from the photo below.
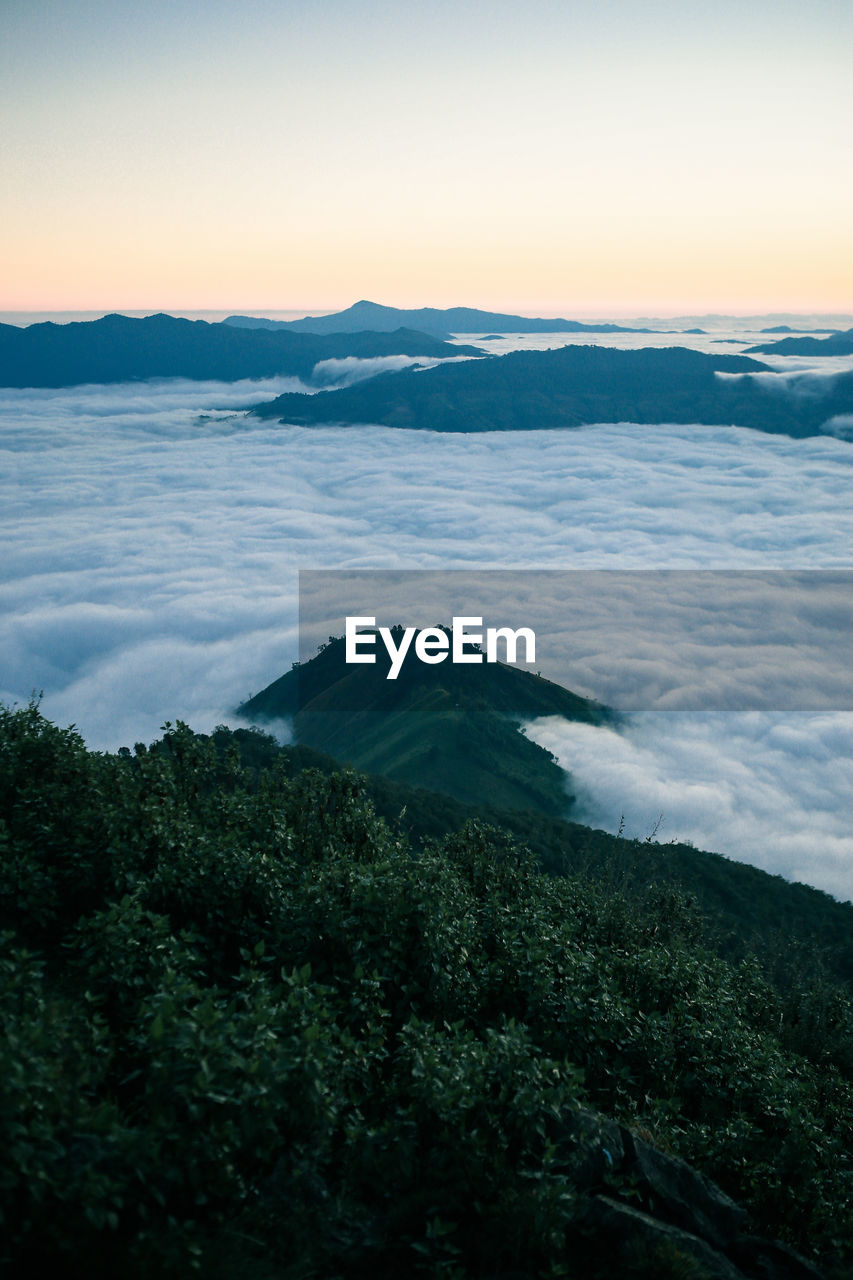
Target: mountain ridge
(450, 728)
(120, 348)
(388, 730)
(575, 385)
(839, 343)
(439, 321)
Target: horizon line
(544, 313)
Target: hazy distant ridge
(838, 344)
(440, 322)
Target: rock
(771, 1260)
(595, 1145)
(681, 1214)
(671, 1189)
(627, 1229)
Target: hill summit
(454, 729)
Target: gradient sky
(663, 157)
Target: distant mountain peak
(440, 322)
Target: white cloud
(801, 383)
(841, 426)
(346, 370)
(757, 787)
(150, 539)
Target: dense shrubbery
(247, 1026)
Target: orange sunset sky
(666, 157)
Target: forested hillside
(120, 348)
(250, 1028)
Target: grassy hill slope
(446, 727)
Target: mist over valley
(153, 532)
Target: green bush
(247, 1028)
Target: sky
(666, 158)
(617, 159)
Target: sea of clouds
(769, 789)
(151, 536)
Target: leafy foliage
(249, 1028)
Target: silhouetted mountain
(786, 328)
(441, 322)
(118, 349)
(838, 344)
(572, 386)
(450, 728)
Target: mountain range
(119, 348)
(441, 322)
(837, 344)
(574, 385)
(787, 328)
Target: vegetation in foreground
(248, 1027)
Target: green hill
(442, 745)
(574, 385)
(448, 728)
(837, 344)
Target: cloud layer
(761, 788)
(151, 538)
